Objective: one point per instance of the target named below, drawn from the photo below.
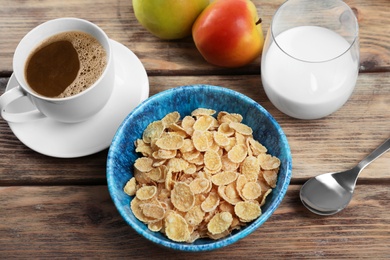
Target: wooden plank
(82, 222)
(334, 143)
(178, 57)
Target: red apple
(228, 33)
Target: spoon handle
(375, 154)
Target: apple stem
(259, 21)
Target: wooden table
(61, 208)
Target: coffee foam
(92, 57)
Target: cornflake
(224, 178)
(200, 141)
(170, 142)
(170, 119)
(251, 190)
(152, 210)
(130, 187)
(176, 227)
(199, 185)
(247, 210)
(146, 192)
(238, 153)
(220, 223)
(182, 197)
(211, 202)
(200, 176)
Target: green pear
(168, 19)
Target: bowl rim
(215, 244)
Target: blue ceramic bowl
(185, 99)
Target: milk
(314, 75)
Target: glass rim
(351, 44)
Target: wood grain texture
(60, 208)
(82, 222)
(178, 57)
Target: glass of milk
(310, 60)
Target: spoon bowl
(329, 193)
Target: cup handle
(17, 117)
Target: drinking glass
(310, 60)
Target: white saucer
(56, 139)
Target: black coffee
(65, 64)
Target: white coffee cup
(71, 109)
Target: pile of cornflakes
(200, 176)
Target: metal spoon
(330, 193)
